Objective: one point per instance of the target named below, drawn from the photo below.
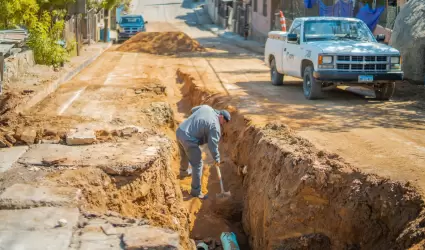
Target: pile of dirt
(161, 43)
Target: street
(130, 104)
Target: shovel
(223, 194)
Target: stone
(408, 37)
(80, 137)
(4, 143)
(35, 228)
(117, 222)
(108, 229)
(10, 138)
(41, 218)
(20, 196)
(127, 158)
(62, 223)
(53, 239)
(28, 136)
(129, 131)
(149, 237)
(8, 156)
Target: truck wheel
(312, 89)
(277, 78)
(385, 91)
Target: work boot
(200, 196)
(187, 173)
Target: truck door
(291, 52)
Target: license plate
(365, 78)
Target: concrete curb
(58, 82)
(253, 48)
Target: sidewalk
(205, 21)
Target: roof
(318, 18)
(5, 48)
(131, 16)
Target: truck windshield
(133, 20)
(315, 30)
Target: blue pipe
(229, 241)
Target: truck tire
(385, 92)
(276, 77)
(311, 88)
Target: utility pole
(105, 29)
(1, 71)
(77, 37)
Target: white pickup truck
(330, 51)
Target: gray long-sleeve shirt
(203, 126)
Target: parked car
(130, 25)
(330, 51)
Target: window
(265, 7)
(255, 5)
(296, 28)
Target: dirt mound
(162, 43)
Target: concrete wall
(260, 25)
(18, 65)
(212, 10)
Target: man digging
(202, 126)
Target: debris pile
(161, 43)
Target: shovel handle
(219, 177)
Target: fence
(82, 28)
(242, 17)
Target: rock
(113, 214)
(10, 138)
(62, 223)
(8, 156)
(108, 229)
(20, 196)
(28, 136)
(4, 143)
(80, 137)
(138, 91)
(117, 222)
(409, 38)
(149, 237)
(35, 228)
(35, 169)
(129, 131)
(52, 141)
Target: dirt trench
(298, 197)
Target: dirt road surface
(122, 89)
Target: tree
(17, 12)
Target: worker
(203, 126)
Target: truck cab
(329, 51)
(130, 25)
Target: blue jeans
(190, 152)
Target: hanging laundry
(370, 16)
(310, 3)
(339, 9)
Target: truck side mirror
(292, 38)
(380, 37)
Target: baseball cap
(225, 114)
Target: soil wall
(298, 197)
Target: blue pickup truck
(130, 25)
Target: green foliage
(17, 12)
(44, 37)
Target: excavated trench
(295, 196)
